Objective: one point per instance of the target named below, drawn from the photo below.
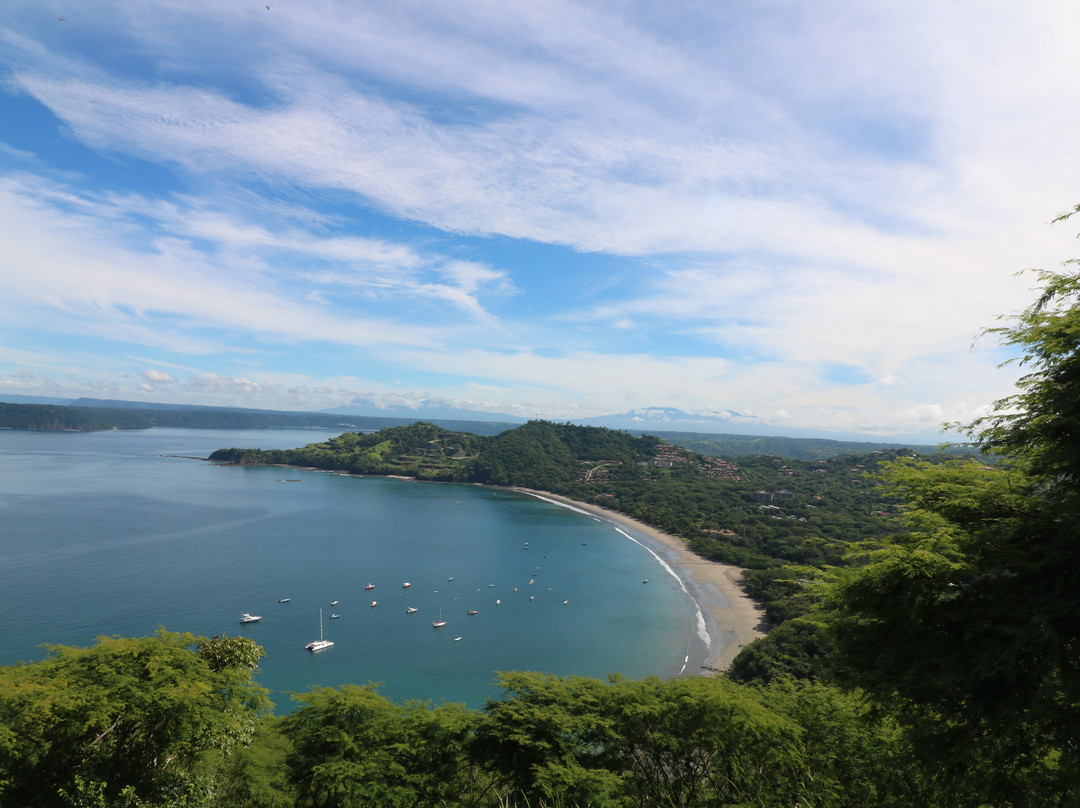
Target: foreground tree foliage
(969, 625)
(352, 747)
(126, 720)
(147, 722)
(578, 741)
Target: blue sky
(799, 214)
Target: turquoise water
(118, 533)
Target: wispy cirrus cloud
(66, 262)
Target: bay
(120, 533)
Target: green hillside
(757, 512)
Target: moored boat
(321, 643)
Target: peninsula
(741, 534)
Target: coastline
(728, 617)
(731, 619)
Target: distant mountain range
(428, 410)
(645, 419)
(654, 420)
(670, 418)
(729, 422)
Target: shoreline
(731, 619)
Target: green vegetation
(933, 662)
(52, 417)
(126, 722)
(979, 600)
(174, 720)
(759, 513)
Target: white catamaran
(319, 644)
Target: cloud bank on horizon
(797, 214)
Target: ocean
(120, 533)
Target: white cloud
(71, 266)
(843, 186)
(591, 162)
(156, 377)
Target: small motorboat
(374, 603)
(250, 618)
(333, 603)
(406, 585)
(335, 616)
(284, 600)
(471, 611)
(370, 586)
(411, 610)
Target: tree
(970, 624)
(123, 720)
(704, 742)
(352, 747)
(549, 738)
(223, 653)
(689, 742)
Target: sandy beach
(732, 619)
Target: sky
(797, 215)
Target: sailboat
(438, 623)
(319, 644)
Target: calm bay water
(118, 533)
